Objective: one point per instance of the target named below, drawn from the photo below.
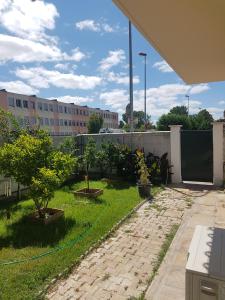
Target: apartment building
(57, 117)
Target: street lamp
(187, 96)
(145, 56)
(131, 78)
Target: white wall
(157, 142)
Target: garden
(72, 201)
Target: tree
(95, 123)
(121, 124)
(200, 121)
(173, 119)
(203, 120)
(179, 110)
(139, 120)
(31, 161)
(68, 146)
(9, 127)
(89, 158)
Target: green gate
(197, 155)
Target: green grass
(19, 239)
(165, 246)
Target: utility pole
(145, 56)
(131, 78)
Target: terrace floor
(121, 267)
(208, 209)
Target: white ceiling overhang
(188, 34)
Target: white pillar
(175, 152)
(218, 153)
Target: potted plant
(89, 160)
(144, 185)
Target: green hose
(54, 250)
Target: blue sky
(77, 51)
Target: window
(65, 109)
(39, 105)
(57, 122)
(52, 122)
(77, 111)
(45, 106)
(73, 123)
(81, 124)
(32, 104)
(61, 122)
(50, 107)
(65, 122)
(84, 124)
(25, 103)
(80, 112)
(69, 110)
(70, 123)
(77, 123)
(41, 121)
(11, 101)
(18, 103)
(56, 109)
(46, 121)
(60, 109)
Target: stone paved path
(121, 267)
(208, 209)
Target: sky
(77, 51)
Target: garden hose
(54, 250)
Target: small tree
(42, 189)
(89, 158)
(95, 123)
(32, 160)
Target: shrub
(142, 168)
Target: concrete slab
(169, 283)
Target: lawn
(85, 222)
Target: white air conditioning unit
(205, 269)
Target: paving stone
(120, 267)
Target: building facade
(57, 117)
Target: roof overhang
(188, 34)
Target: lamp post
(131, 78)
(145, 56)
(187, 96)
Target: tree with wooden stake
(89, 161)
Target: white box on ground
(205, 269)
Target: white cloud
(24, 51)
(28, 19)
(216, 112)
(74, 99)
(114, 58)
(88, 25)
(76, 55)
(43, 78)
(120, 78)
(222, 102)
(199, 88)
(61, 66)
(92, 25)
(159, 99)
(163, 67)
(18, 87)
